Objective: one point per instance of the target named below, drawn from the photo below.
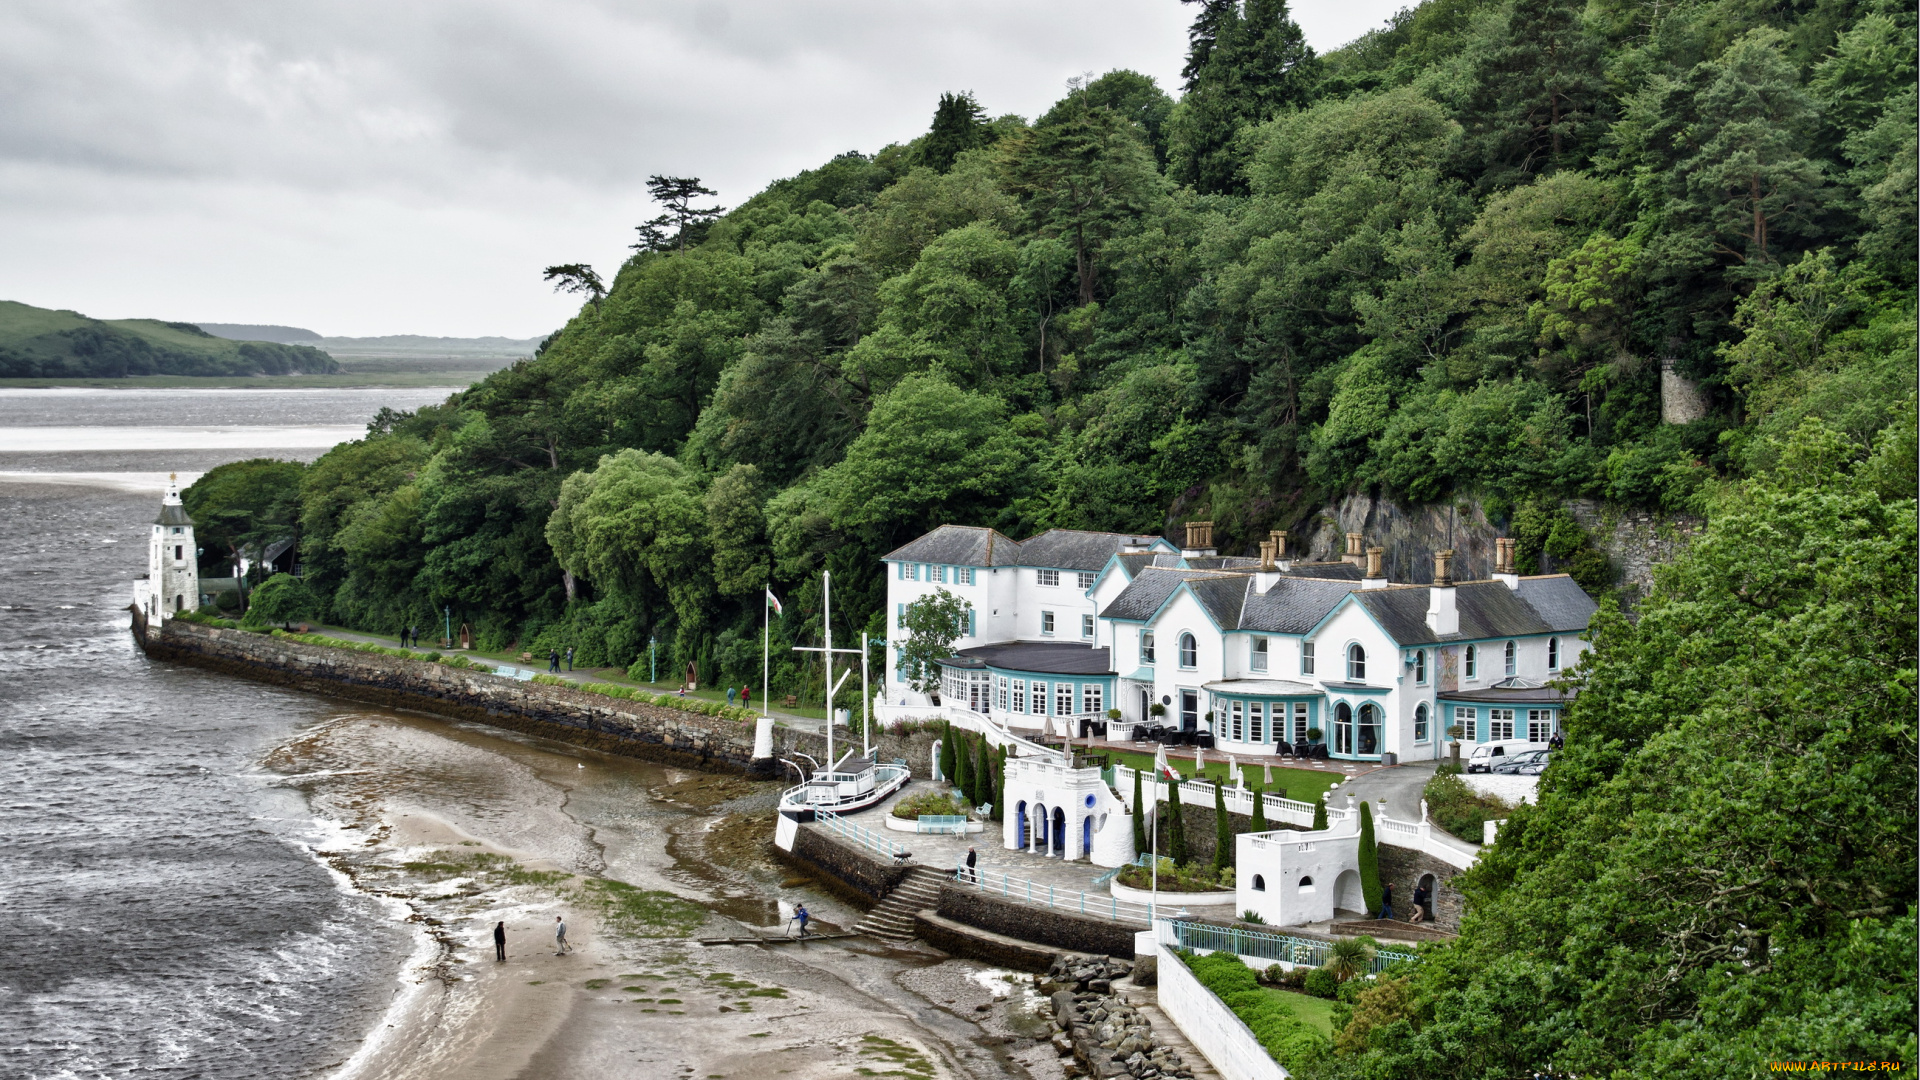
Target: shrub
(1458, 808)
(1321, 983)
(1291, 1041)
(1177, 878)
(1252, 916)
(929, 802)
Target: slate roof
(960, 545)
(1551, 604)
(1292, 606)
(1503, 695)
(1057, 549)
(1043, 657)
(1337, 571)
(172, 514)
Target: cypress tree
(1369, 862)
(985, 777)
(1000, 784)
(1259, 812)
(1139, 818)
(947, 755)
(1320, 813)
(1176, 822)
(963, 769)
(1222, 829)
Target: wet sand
(460, 826)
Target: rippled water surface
(161, 913)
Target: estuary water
(162, 909)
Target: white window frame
(937, 574)
(1037, 698)
(1019, 696)
(1000, 692)
(1085, 579)
(1306, 658)
(1422, 723)
(963, 575)
(1471, 666)
(1046, 624)
(1256, 721)
(1301, 721)
(1468, 717)
(1356, 662)
(1063, 699)
(1499, 725)
(1049, 578)
(1257, 654)
(1146, 647)
(1189, 644)
(1420, 667)
(1511, 659)
(1093, 698)
(1236, 713)
(1086, 627)
(1540, 725)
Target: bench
(943, 823)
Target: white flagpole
(766, 643)
(866, 701)
(826, 625)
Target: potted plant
(1313, 734)
(1156, 710)
(1456, 733)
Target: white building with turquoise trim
(1262, 653)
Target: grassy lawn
(1305, 785)
(1315, 1011)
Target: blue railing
(943, 823)
(1265, 945)
(865, 837)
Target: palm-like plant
(1350, 958)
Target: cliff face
(1634, 541)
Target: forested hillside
(39, 343)
(1450, 257)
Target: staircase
(892, 918)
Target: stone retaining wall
(848, 871)
(1404, 867)
(1030, 922)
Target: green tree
(1541, 100)
(1369, 861)
(1222, 828)
(1259, 824)
(578, 278)
(1176, 826)
(241, 507)
(737, 532)
(688, 223)
(949, 751)
(986, 778)
(1350, 958)
(959, 125)
(963, 767)
(1140, 809)
(932, 624)
(1247, 62)
(282, 599)
(1320, 814)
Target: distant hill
(285, 335)
(40, 343)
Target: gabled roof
(1042, 657)
(1552, 604)
(1071, 549)
(1292, 606)
(1055, 549)
(960, 545)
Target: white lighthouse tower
(173, 564)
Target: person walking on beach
(800, 915)
(569, 658)
(500, 941)
(560, 936)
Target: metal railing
(1026, 890)
(865, 837)
(943, 823)
(1265, 945)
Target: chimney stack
(1443, 611)
(1376, 573)
(1266, 555)
(1278, 538)
(1503, 560)
(1199, 540)
(1354, 554)
(1269, 572)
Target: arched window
(1420, 723)
(1356, 663)
(1473, 662)
(1259, 883)
(1420, 666)
(1553, 654)
(1511, 650)
(1189, 652)
(1306, 884)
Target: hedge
(1290, 1040)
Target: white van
(1486, 754)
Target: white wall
(1281, 859)
(1226, 1042)
(1184, 614)
(1041, 783)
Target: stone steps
(893, 917)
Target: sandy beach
(460, 827)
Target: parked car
(1488, 754)
(1524, 763)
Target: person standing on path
(500, 941)
(1386, 900)
(730, 692)
(560, 945)
(746, 697)
(553, 660)
(569, 658)
(972, 857)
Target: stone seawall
(602, 723)
(1029, 922)
(847, 871)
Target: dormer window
(1356, 663)
(1049, 577)
(1511, 657)
(1257, 657)
(1189, 652)
(1146, 646)
(1473, 662)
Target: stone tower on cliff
(173, 562)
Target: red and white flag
(774, 603)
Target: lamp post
(448, 610)
(653, 660)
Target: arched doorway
(1039, 838)
(1020, 823)
(1343, 728)
(1347, 894)
(1428, 884)
(1059, 832)
(1369, 733)
(1086, 837)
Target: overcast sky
(364, 168)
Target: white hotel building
(1256, 651)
